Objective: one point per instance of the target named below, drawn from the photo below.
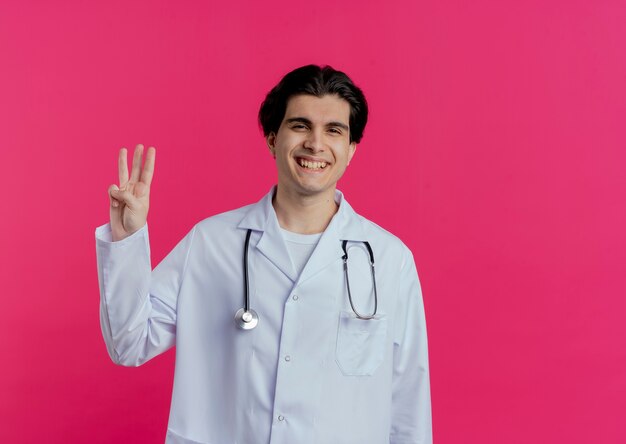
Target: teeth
(312, 165)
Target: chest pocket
(360, 344)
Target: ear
(351, 151)
(271, 143)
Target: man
(321, 350)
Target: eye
(298, 126)
(335, 130)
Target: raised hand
(130, 201)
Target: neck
(304, 214)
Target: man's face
(312, 146)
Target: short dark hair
(316, 81)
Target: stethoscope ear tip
(246, 320)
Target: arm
(137, 305)
(411, 412)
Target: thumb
(119, 197)
(113, 196)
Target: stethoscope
(246, 318)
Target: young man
(284, 330)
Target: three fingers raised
(137, 173)
(140, 179)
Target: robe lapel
(345, 225)
(272, 246)
(261, 217)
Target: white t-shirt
(300, 247)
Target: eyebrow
(308, 122)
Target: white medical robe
(310, 372)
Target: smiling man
(312, 147)
(295, 320)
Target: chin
(314, 190)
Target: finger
(134, 174)
(148, 167)
(140, 190)
(122, 167)
(114, 202)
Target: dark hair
(316, 81)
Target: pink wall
(496, 150)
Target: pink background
(495, 150)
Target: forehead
(329, 107)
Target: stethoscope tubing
(245, 272)
(345, 269)
(247, 319)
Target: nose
(314, 141)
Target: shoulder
(385, 242)
(227, 219)
(218, 233)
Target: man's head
(316, 81)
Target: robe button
(294, 297)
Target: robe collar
(345, 225)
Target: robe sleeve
(138, 304)
(411, 410)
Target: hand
(130, 201)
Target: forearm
(411, 417)
(135, 325)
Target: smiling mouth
(310, 165)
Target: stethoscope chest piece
(246, 320)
